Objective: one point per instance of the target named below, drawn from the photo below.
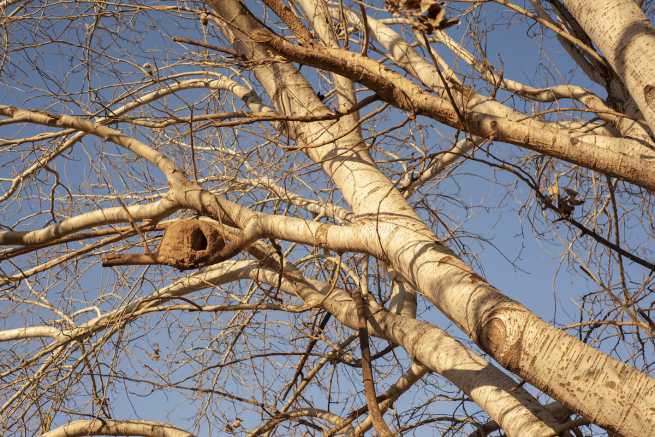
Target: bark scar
(649, 96)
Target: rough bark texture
(601, 388)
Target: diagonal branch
(604, 154)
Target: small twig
(366, 31)
(193, 149)
(333, 282)
(206, 45)
(135, 227)
(280, 273)
(308, 350)
(443, 80)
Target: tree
(252, 208)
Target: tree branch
(80, 428)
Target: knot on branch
(189, 243)
(501, 333)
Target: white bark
(627, 39)
(383, 224)
(547, 358)
(118, 214)
(368, 191)
(29, 332)
(623, 158)
(116, 428)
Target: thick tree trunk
(586, 380)
(627, 39)
(372, 196)
(602, 389)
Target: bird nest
(189, 243)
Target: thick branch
(80, 428)
(604, 154)
(626, 37)
(119, 214)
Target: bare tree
(241, 217)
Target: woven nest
(189, 243)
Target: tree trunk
(627, 39)
(579, 376)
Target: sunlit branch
(117, 427)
